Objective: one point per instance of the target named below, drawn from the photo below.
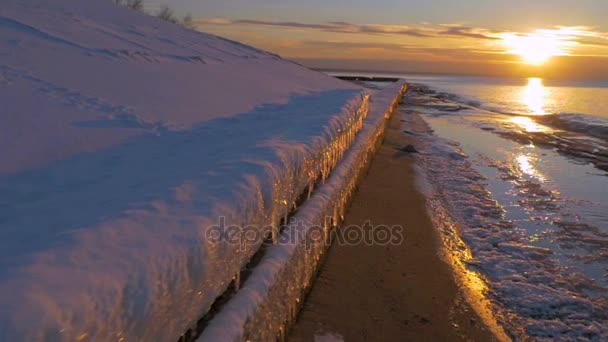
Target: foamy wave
(576, 122)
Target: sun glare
(538, 47)
(534, 96)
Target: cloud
(419, 31)
(396, 30)
(593, 43)
(580, 31)
(469, 32)
(383, 51)
(357, 45)
(281, 24)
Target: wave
(574, 122)
(581, 137)
(577, 122)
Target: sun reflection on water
(534, 96)
(524, 165)
(527, 165)
(527, 124)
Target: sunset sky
(559, 38)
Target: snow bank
(125, 139)
(268, 301)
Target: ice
(532, 292)
(265, 306)
(125, 139)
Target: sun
(536, 48)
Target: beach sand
(394, 292)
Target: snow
(268, 301)
(124, 139)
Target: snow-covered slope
(124, 139)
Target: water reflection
(527, 165)
(534, 96)
(527, 124)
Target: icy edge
(269, 300)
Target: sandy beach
(394, 292)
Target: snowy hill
(123, 140)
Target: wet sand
(395, 292)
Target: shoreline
(394, 292)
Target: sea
(516, 176)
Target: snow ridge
(268, 302)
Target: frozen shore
(523, 222)
(266, 305)
(403, 290)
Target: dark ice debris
(409, 149)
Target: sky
(541, 38)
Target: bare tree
(166, 14)
(137, 5)
(188, 22)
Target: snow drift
(124, 139)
